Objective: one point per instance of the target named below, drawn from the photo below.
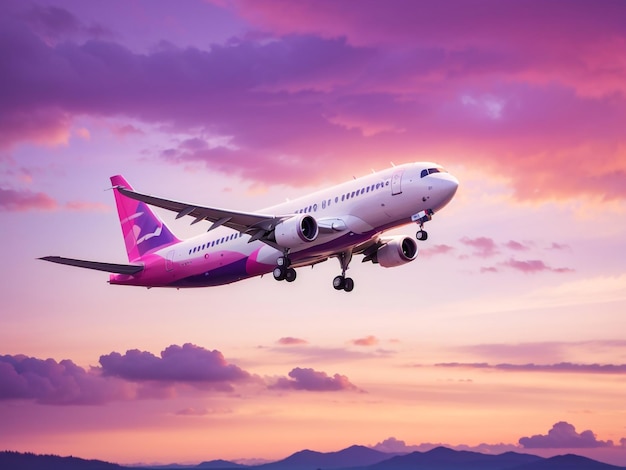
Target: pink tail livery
(144, 232)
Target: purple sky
(506, 333)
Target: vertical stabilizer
(143, 230)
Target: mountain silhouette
(18, 461)
(352, 458)
(569, 462)
(442, 458)
(220, 464)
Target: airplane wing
(254, 224)
(129, 269)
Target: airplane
(340, 222)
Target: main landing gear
(342, 282)
(283, 271)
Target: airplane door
(169, 261)
(396, 182)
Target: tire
(279, 273)
(339, 283)
(290, 275)
(348, 284)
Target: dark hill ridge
(19, 461)
(569, 462)
(442, 458)
(352, 458)
(220, 464)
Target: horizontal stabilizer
(129, 269)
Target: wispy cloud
(566, 367)
(290, 341)
(366, 341)
(484, 247)
(18, 201)
(533, 266)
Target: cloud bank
(400, 79)
(142, 375)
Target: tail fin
(142, 229)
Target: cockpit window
(430, 171)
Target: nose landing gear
(421, 218)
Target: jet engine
(396, 252)
(296, 231)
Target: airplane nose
(447, 184)
(446, 188)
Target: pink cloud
(58, 383)
(290, 341)
(25, 200)
(485, 247)
(367, 341)
(87, 206)
(488, 269)
(558, 246)
(516, 246)
(192, 412)
(533, 266)
(434, 250)
(564, 436)
(187, 363)
(313, 381)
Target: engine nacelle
(296, 231)
(400, 250)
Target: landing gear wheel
(280, 273)
(348, 284)
(283, 261)
(290, 275)
(339, 283)
(422, 235)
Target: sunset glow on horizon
(507, 333)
